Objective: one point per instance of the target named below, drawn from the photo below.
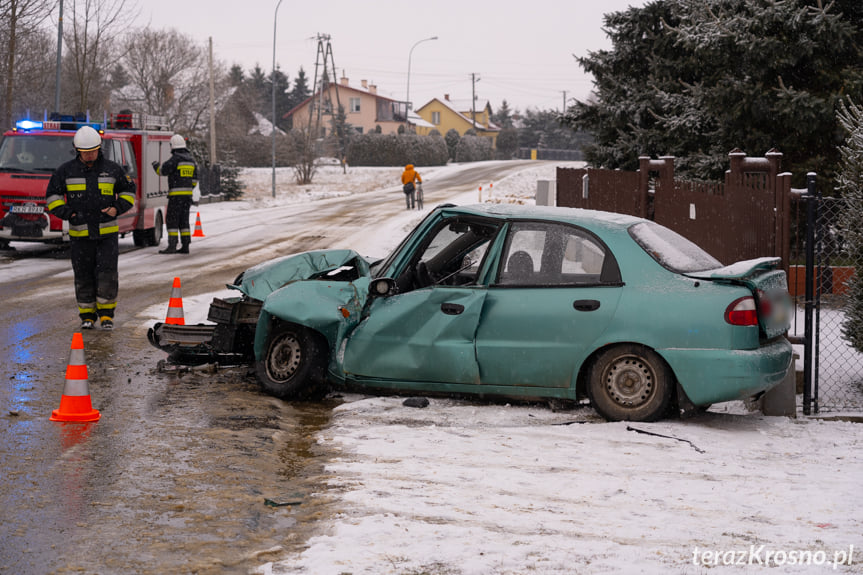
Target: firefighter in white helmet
(90, 191)
(182, 172)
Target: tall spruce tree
(301, 89)
(503, 116)
(850, 184)
(283, 96)
(698, 78)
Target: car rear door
(555, 293)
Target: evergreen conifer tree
(229, 177)
(697, 78)
(850, 183)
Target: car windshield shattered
(671, 250)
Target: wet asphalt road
(185, 472)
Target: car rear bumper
(717, 375)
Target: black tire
(153, 236)
(138, 238)
(293, 363)
(630, 383)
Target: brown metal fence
(745, 217)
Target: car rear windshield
(671, 250)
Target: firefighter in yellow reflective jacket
(90, 192)
(182, 175)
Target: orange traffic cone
(199, 233)
(75, 404)
(175, 305)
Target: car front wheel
(630, 383)
(293, 365)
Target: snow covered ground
(460, 488)
(463, 488)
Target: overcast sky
(519, 51)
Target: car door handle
(451, 308)
(585, 304)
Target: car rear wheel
(293, 364)
(630, 383)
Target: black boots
(172, 249)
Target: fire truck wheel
(154, 234)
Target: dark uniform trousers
(177, 220)
(94, 262)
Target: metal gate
(832, 368)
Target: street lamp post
(408, 94)
(59, 59)
(273, 79)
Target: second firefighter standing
(182, 173)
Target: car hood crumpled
(260, 281)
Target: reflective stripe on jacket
(182, 173)
(79, 193)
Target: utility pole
(473, 81)
(59, 59)
(564, 102)
(273, 82)
(324, 103)
(212, 109)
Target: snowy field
(462, 488)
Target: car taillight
(765, 306)
(742, 311)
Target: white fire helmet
(177, 142)
(87, 139)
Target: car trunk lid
(768, 285)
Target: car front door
(425, 333)
(556, 291)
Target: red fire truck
(30, 152)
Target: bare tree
(96, 26)
(19, 22)
(169, 73)
(305, 154)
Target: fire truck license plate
(26, 210)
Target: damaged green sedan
(509, 301)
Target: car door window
(452, 256)
(540, 253)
